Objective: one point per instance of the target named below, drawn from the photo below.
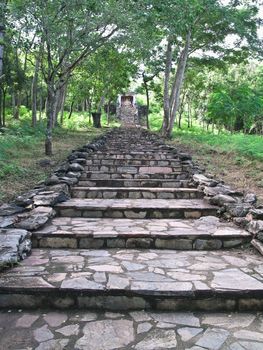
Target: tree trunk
(50, 105)
(63, 106)
(180, 117)
(167, 73)
(56, 107)
(108, 112)
(16, 102)
(34, 93)
(102, 99)
(147, 101)
(89, 105)
(179, 77)
(189, 115)
(1, 48)
(40, 105)
(71, 109)
(181, 111)
(3, 107)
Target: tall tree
(69, 31)
(201, 27)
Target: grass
(234, 158)
(250, 146)
(22, 148)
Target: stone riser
(132, 169)
(132, 162)
(114, 301)
(143, 213)
(134, 194)
(82, 241)
(135, 183)
(108, 176)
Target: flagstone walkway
(136, 259)
(139, 330)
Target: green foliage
(250, 146)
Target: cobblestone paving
(205, 226)
(138, 330)
(135, 203)
(156, 271)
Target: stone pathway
(139, 330)
(137, 238)
(134, 279)
(204, 233)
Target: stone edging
(33, 209)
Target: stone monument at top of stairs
(127, 110)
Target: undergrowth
(250, 146)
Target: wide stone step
(134, 169)
(133, 155)
(204, 234)
(132, 279)
(136, 192)
(138, 330)
(132, 162)
(136, 208)
(138, 147)
(100, 175)
(145, 183)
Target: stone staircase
(136, 234)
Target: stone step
(133, 162)
(135, 192)
(136, 147)
(134, 169)
(133, 155)
(136, 208)
(100, 175)
(137, 330)
(207, 233)
(133, 279)
(145, 183)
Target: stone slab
(88, 233)
(135, 279)
(136, 192)
(80, 329)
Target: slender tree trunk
(16, 101)
(189, 115)
(56, 107)
(108, 112)
(181, 111)
(3, 106)
(167, 73)
(40, 105)
(86, 105)
(63, 106)
(101, 103)
(1, 47)
(89, 105)
(50, 105)
(34, 93)
(71, 109)
(147, 101)
(179, 77)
